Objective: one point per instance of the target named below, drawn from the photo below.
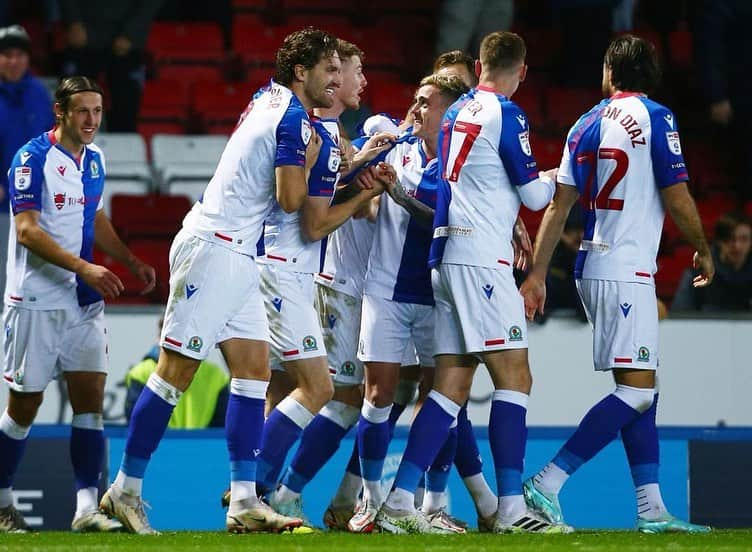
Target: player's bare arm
(417, 209)
(533, 289)
(108, 241)
(319, 218)
(376, 144)
(683, 211)
(522, 245)
(292, 189)
(31, 235)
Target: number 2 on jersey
(602, 200)
(471, 132)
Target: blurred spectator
(463, 24)
(25, 112)
(202, 405)
(561, 291)
(724, 55)
(110, 38)
(731, 289)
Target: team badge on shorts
(643, 354)
(309, 343)
(347, 368)
(195, 343)
(18, 376)
(515, 333)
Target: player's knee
(23, 407)
(641, 399)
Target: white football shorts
(340, 325)
(624, 318)
(478, 310)
(388, 327)
(214, 296)
(41, 344)
(289, 298)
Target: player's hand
(722, 112)
(372, 179)
(376, 144)
(533, 291)
(346, 158)
(386, 175)
(312, 150)
(104, 282)
(704, 263)
(145, 273)
(522, 245)
(77, 37)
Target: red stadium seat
(392, 97)
(164, 101)
(670, 270)
(547, 150)
(255, 41)
(148, 216)
(148, 129)
(220, 103)
(565, 105)
(186, 42)
(133, 286)
(189, 72)
(532, 220)
(157, 254)
(680, 44)
(711, 209)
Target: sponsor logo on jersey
(277, 302)
(474, 107)
(488, 290)
(190, 289)
(309, 343)
(331, 320)
(674, 145)
(515, 333)
(625, 308)
(305, 131)
(524, 138)
(195, 343)
(347, 368)
(22, 179)
(59, 200)
(643, 354)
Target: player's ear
(523, 72)
(299, 71)
(478, 68)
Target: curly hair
(305, 47)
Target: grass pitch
(617, 541)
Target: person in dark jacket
(731, 290)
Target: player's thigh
(294, 326)
(624, 316)
(509, 369)
(32, 344)
(339, 317)
(246, 358)
(85, 391)
(488, 306)
(448, 338)
(85, 339)
(385, 330)
(214, 296)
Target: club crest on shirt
(334, 159)
(59, 200)
(524, 138)
(674, 145)
(94, 167)
(305, 131)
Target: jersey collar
(619, 95)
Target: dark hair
(305, 47)
(633, 63)
(73, 85)
(450, 86)
(454, 57)
(346, 50)
(724, 228)
(502, 50)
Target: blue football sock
(427, 436)
(353, 465)
(13, 440)
(597, 429)
(244, 423)
(149, 420)
(640, 438)
(278, 437)
(374, 434)
(87, 449)
(437, 475)
(319, 442)
(467, 458)
(507, 433)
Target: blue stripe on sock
(242, 470)
(509, 482)
(407, 476)
(567, 461)
(295, 481)
(133, 466)
(643, 474)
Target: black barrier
(44, 487)
(720, 483)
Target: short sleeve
(293, 135)
(26, 182)
(665, 148)
(514, 145)
(324, 173)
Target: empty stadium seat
(119, 186)
(392, 97)
(220, 103)
(565, 105)
(670, 270)
(192, 157)
(149, 216)
(125, 155)
(164, 101)
(255, 41)
(186, 42)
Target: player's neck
(504, 86)
(74, 147)
(333, 112)
(429, 147)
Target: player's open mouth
(329, 91)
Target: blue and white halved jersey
(273, 131)
(398, 263)
(484, 156)
(67, 192)
(284, 242)
(619, 155)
